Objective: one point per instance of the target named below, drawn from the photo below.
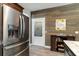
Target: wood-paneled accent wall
(69, 12)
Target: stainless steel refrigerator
(14, 32)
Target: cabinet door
(53, 43)
(15, 6)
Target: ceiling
(39, 6)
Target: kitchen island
(71, 48)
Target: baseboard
(30, 44)
(47, 46)
(41, 46)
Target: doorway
(38, 31)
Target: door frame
(35, 19)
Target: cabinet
(15, 6)
(57, 42)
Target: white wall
(27, 13)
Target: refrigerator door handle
(23, 26)
(15, 45)
(20, 29)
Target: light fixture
(76, 32)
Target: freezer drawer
(7, 51)
(25, 52)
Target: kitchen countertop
(73, 45)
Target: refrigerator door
(26, 27)
(10, 25)
(1, 30)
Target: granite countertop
(73, 45)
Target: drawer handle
(21, 52)
(15, 45)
